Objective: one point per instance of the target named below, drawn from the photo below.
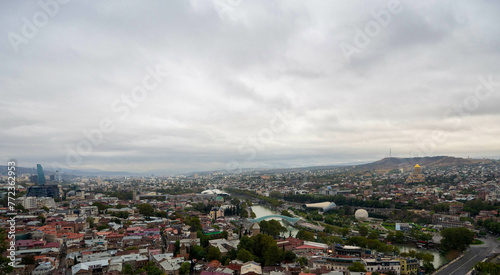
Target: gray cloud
(230, 77)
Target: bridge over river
(270, 217)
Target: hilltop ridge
(408, 163)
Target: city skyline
(196, 86)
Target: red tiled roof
(214, 263)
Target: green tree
(373, 235)
(150, 268)
(244, 213)
(363, 231)
(102, 227)
(28, 260)
(127, 269)
(391, 236)
(246, 243)
(197, 252)
(21, 208)
(344, 231)
(90, 220)
(195, 221)
(286, 213)
(487, 268)
(146, 209)
(244, 255)
(305, 235)
(185, 266)
(400, 237)
(213, 253)
(177, 248)
(289, 256)
(261, 244)
(456, 238)
(302, 261)
(477, 205)
(329, 229)
(357, 267)
(272, 227)
(276, 195)
(273, 255)
(358, 241)
(427, 257)
(100, 206)
(232, 254)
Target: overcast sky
(201, 85)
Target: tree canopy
(244, 255)
(146, 209)
(213, 253)
(363, 231)
(357, 267)
(305, 235)
(262, 248)
(272, 227)
(456, 238)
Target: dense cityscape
(397, 218)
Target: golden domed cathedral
(416, 176)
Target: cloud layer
(246, 83)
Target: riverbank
(439, 259)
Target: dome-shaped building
(330, 207)
(361, 215)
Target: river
(262, 210)
(439, 259)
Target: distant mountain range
(409, 163)
(19, 170)
(385, 164)
(66, 172)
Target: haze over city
(200, 85)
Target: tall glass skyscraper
(41, 176)
(42, 189)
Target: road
(473, 255)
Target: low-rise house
(44, 268)
(383, 265)
(90, 268)
(337, 263)
(251, 268)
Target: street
(473, 255)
